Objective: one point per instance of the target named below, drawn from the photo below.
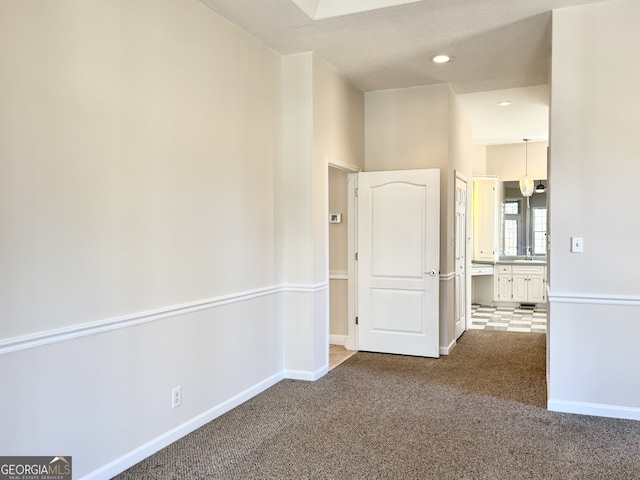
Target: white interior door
(398, 262)
(460, 279)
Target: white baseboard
(126, 461)
(306, 375)
(595, 409)
(337, 339)
(446, 350)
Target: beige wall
(479, 160)
(339, 123)
(407, 128)
(323, 122)
(338, 232)
(595, 295)
(138, 142)
(115, 200)
(508, 161)
(338, 262)
(338, 139)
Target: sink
(529, 261)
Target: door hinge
(356, 320)
(356, 192)
(356, 256)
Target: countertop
(512, 261)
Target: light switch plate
(577, 244)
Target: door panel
(519, 288)
(398, 262)
(386, 317)
(460, 279)
(536, 290)
(401, 254)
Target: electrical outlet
(176, 397)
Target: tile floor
(509, 319)
(338, 354)
(483, 318)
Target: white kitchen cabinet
(502, 288)
(520, 284)
(485, 219)
(537, 289)
(519, 288)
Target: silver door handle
(433, 273)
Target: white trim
(338, 276)
(604, 299)
(346, 167)
(47, 337)
(351, 342)
(337, 339)
(447, 349)
(305, 374)
(485, 177)
(319, 287)
(127, 460)
(597, 409)
(445, 277)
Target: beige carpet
(476, 414)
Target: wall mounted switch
(577, 244)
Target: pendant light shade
(526, 186)
(541, 188)
(526, 182)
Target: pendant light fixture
(541, 188)
(526, 182)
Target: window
(511, 237)
(512, 226)
(512, 207)
(539, 231)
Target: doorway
(341, 343)
(343, 235)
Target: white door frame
(351, 342)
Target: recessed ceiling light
(442, 58)
(504, 103)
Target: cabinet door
(520, 287)
(484, 219)
(503, 288)
(536, 289)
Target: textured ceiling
(496, 44)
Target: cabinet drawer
(528, 269)
(482, 270)
(504, 268)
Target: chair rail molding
(37, 339)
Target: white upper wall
(407, 128)
(594, 167)
(138, 145)
(508, 161)
(479, 160)
(594, 142)
(130, 164)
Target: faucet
(529, 256)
